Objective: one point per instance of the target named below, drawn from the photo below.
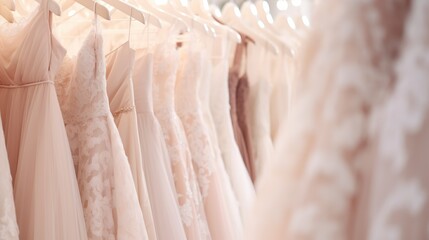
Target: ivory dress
(109, 198)
(161, 189)
(46, 193)
(188, 108)
(166, 60)
(220, 109)
(121, 97)
(8, 226)
(258, 109)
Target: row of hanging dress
(144, 138)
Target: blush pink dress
(156, 164)
(166, 59)
(188, 106)
(109, 198)
(121, 97)
(47, 200)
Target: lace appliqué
(8, 226)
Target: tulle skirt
(159, 177)
(47, 199)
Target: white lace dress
(188, 108)
(188, 194)
(395, 203)
(8, 225)
(259, 105)
(312, 189)
(109, 198)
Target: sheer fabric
(188, 108)
(258, 108)
(8, 226)
(162, 191)
(220, 109)
(46, 194)
(189, 197)
(109, 198)
(311, 190)
(121, 97)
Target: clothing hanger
(201, 8)
(231, 16)
(250, 14)
(177, 8)
(133, 12)
(53, 7)
(263, 10)
(6, 13)
(100, 9)
(163, 15)
(264, 15)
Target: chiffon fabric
(188, 108)
(46, 193)
(325, 166)
(220, 109)
(258, 107)
(156, 164)
(121, 97)
(8, 225)
(204, 98)
(109, 198)
(166, 60)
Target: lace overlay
(188, 194)
(189, 110)
(109, 199)
(8, 227)
(346, 69)
(401, 123)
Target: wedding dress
(259, 106)
(204, 98)
(395, 203)
(109, 198)
(313, 189)
(166, 61)
(220, 109)
(121, 97)
(46, 194)
(162, 192)
(8, 226)
(188, 108)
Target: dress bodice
(166, 60)
(119, 84)
(29, 52)
(142, 80)
(82, 90)
(188, 80)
